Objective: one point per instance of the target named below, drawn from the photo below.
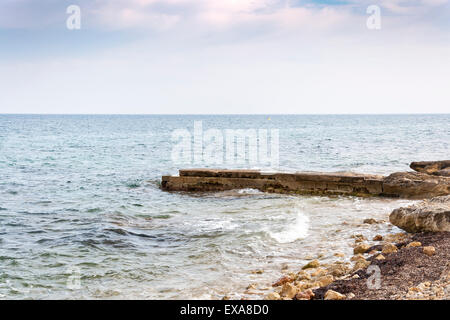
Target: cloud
(220, 14)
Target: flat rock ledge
(438, 168)
(409, 185)
(427, 216)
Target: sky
(225, 56)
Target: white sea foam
(297, 230)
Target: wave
(295, 231)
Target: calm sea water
(82, 214)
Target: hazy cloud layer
(224, 56)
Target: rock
(305, 295)
(258, 271)
(338, 270)
(302, 275)
(362, 248)
(414, 244)
(370, 221)
(318, 272)
(397, 237)
(389, 248)
(273, 296)
(380, 257)
(359, 238)
(378, 237)
(339, 254)
(444, 172)
(251, 286)
(355, 276)
(282, 281)
(303, 285)
(429, 215)
(333, 295)
(326, 280)
(288, 291)
(429, 250)
(360, 264)
(371, 253)
(415, 185)
(357, 257)
(430, 167)
(312, 264)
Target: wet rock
(333, 295)
(389, 248)
(378, 237)
(431, 167)
(282, 281)
(429, 250)
(380, 257)
(258, 271)
(429, 215)
(359, 238)
(362, 248)
(288, 291)
(415, 185)
(370, 221)
(312, 264)
(273, 296)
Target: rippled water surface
(82, 215)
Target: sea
(82, 214)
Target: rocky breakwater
(410, 185)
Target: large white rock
(428, 215)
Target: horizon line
(217, 114)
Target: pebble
(429, 251)
(414, 244)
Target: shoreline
(400, 266)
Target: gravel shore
(409, 273)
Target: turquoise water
(82, 215)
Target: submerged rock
(429, 215)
